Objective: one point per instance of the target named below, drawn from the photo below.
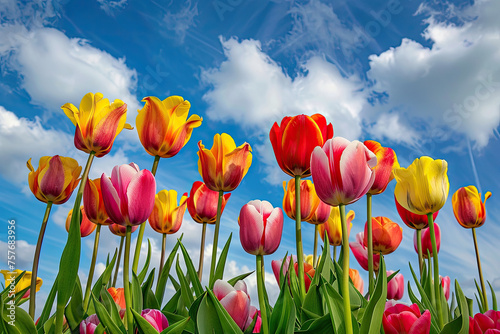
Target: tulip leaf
(480, 299)
(47, 307)
(186, 293)
(136, 293)
(356, 298)
(334, 304)
(145, 268)
(14, 319)
(233, 280)
(174, 282)
(104, 278)
(372, 318)
(74, 311)
(177, 328)
(149, 282)
(325, 266)
(162, 281)
(105, 318)
(193, 275)
(227, 323)
(294, 287)
(461, 324)
(143, 324)
(171, 305)
(493, 297)
(282, 320)
(112, 308)
(427, 305)
(99, 329)
(205, 314)
(221, 263)
(322, 325)
(313, 304)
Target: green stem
(334, 253)
(140, 235)
(126, 283)
(315, 251)
(202, 251)
(118, 261)
(433, 295)
(298, 240)
(370, 242)
(437, 284)
(345, 274)
(34, 271)
(162, 258)
(216, 239)
(419, 251)
(261, 291)
(92, 267)
(485, 298)
(59, 319)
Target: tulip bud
(468, 207)
(86, 226)
(396, 286)
(202, 203)
(234, 299)
(155, 318)
(426, 240)
(387, 235)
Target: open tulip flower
(487, 323)
(156, 319)
(426, 240)
(97, 123)
(387, 235)
(202, 203)
(86, 226)
(412, 220)
(93, 203)
(333, 226)
(357, 281)
(468, 207)
(164, 127)
(403, 319)
(396, 286)
(295, 139)
(166, 216)
(55, 178)
(386, 163)
(24, 282)
(235, 300)
(360, 252)
(224, 165)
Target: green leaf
(334, 303)
(74, 311)
(186, 294)
(177, 328)
(112, 308)
(149, 300)
(372, 319)
(493, 297)
(480, 301)
(14, 319)
(282, 320)
(162, 281)
(425, 300)
(221, 263)
(136, 293)
(47, 307)
(104, 278)
(461, 324)
(313, 302)
(105, 318)
(227, 323)
(414, 300)
(321, 325)
(144, 270)
(233, 280)
(207, 320)
(171, 305)
(193, 275)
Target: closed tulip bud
(89, 325)
(155, 318)
(261, 227)
(258, 323)
(167, 216)
(396, 286)
(357, 281)
(423, 187)
(360, 252)
(342, 171)
(129, 196)
(295, 139)
(403, 319)
(386, 234)
(487, 323)
(312, 209)
(308, 270)
(426, 240)
(468, 207)
(202, 203)
(412, 220)
(25, 281)
(120, 230)
(334, 227)
(163, 126)
(234, 299)
(386, 163)
(86, 226)
(445, 283)
(93, 203)
(55, 179)
(118, 295)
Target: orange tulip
(93, 203)
(118, 295)
(167, 216)
(55, 179)
(387, 235)
(163, 126)
(97, 123)
(312, 209)
(334, 227)
(224, 165)
(468, 207)
(386, 163)
(357, 281)
(202, 203)
(86, 226)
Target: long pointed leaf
(193, 275)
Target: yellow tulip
(97, 123)
(423, 187)
(468, 207)
(23, 283)
(167, 216)
(334, 227)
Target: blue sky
(420, 77)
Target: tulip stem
(261, 291)
(118, 261)
(369, 237)
(140, 235)
(298, 240)
(334, 253)
(345, 274)
(92, 266)
(485, 298)
(419, 251)
(202, 251)
(216, 239)
(429, 276)
(162, 258)
(315, 251)
(126, 283)
(437, 284)
(34, 271)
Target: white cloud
(111, 7)
(23, 254)
(181, 21)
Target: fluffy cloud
(23, 254)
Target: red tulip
(129, 196)
(445, 283)
(155, 318)
(426, 240)
(342, 171)
(386, 162)
(202, 203)
(295, 139)
(120, 230)
(86, 226)
(487, 323)
(234, 299)
(88, 326)
(396, 286)
(261, 226)
(360, 252)
(357, 281)
(387, 235)
(308, 273)
(93, 203)
(412, 220)
(403, 319)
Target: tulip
(396, 286)
(360, 252)
(202, 203)
(487, 323)
(309, 201)
(120, 230)
(308, 273)
(94, 204)
(403, 319)
(164, 127)
(334, 227)
(251, 316)
(86, 226)
(412, 220)
(387, 235)
(97, 123)
(357, 281)
(234, 299)
(308, 270)
(426, 241)
(445, 283)
(88, 326)
(24, 282)
(118, 295)
(155, 318)
(386, 163)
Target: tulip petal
(111, 200)
(143, 187)
(251, 232)
(422, 325)
(273, 231)
(237, 304)
(222, 288)
(321, 175)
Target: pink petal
(141, 197)
(121, 177)
(273, 231)
(356, 174)
(251, 228)
(422, 325)
(222, 288)
(52, 182)
(237, 304)
(111, 200)
(320, 171)
(241, 286)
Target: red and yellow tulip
(387, 235)
(386, 163)
(202, 203)
(167, 215)
(468, 207)
(93, 203)
(312, 209)
(334, 227)
(86, 226)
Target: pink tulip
(258, 322)
(261, 226)
(403, 319)
(234, 299)
(396, 286)
(130, 194)
(342, 171)
(360, 252)
(487, 323)
(89, 325)
(445, 283)
(426, 240)
(276, 265)
(157, 319)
